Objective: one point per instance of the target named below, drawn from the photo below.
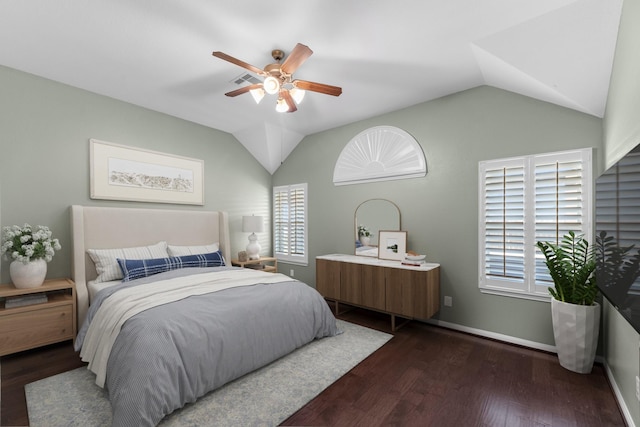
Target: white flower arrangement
(364, 231)
(26, 243)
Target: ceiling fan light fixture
(297, 94)
(257, 94)
(278, 79)
(281, 106)
(271, 85)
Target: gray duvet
(173, 354)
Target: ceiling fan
(279, 79)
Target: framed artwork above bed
(119, 172)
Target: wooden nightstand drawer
(31, 328)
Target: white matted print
(118, 172)
(392, 245)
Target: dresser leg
(395, 327)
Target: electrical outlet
(448, 301)
(638, 388)
(291, 272)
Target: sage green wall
(622, 133)
(440, 211)
(45, 129)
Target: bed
(178, 322)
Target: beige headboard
(100, 228)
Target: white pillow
(107, 266)
(193, 250)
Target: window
(290, 223)
(524, 200)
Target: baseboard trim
(493, 335)
(501, 337)
(618, 394)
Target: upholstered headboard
(101, 228)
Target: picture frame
(120, 172)
(392, 245)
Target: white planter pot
(575, 329)
(29, 275)
(365, 240)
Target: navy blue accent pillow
(138, 268)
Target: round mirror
(372, 216)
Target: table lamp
(252, 224)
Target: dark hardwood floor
(424, 376)
(26, 367)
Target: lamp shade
(282, 106)
(257, 94)
(252, 224)
(297, 95)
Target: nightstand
(29, 326)
(265, 263)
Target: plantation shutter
(524, 200)
(290, 222)
(559, 202)
(504, 221)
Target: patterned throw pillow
(137, 268)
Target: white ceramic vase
(575, 329)
(29, 275)
(365, 240)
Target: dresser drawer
(22, 330)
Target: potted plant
(574, 311)
(364, 235)
(30, 249)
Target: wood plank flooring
(424, 376)
(431, 376)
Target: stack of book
(22, 300)
(414, 260)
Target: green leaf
(571, 265)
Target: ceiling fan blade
(318, 87)
(289, 100)
(244, 89)
(236, 61)
(296, 58)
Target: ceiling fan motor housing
(277, 54)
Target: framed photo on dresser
(392, 245)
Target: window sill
(292, 262)
(541, 298)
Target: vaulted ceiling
(385, 55)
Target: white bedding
(94, 287)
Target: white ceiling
(385, 55)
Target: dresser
(390, 287)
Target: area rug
(263, 398)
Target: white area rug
(263, 398)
